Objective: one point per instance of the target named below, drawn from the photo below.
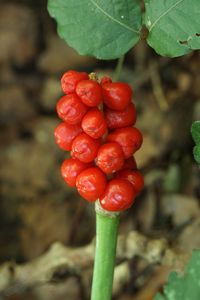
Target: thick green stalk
(106, 241)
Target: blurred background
(36, 207)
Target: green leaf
(101, 28)
(195, 130)
(174, 26)
(185, 287)
(196, 153)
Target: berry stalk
(106, 241)
(119, 68)
(102, 143)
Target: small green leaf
(196, 153)
(174, 26)
(104, 29)
(185, 287)
(195, 130)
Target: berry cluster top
(97, 119)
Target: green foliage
(195, 130)
(174, 26)
(185, 287)
(104, 29)
(108, 29)
(196, 153)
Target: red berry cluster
(97, 129)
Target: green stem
(106, 241)
(118, 68)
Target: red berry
(85, 148)
(70, 109)
(71, 168)
(105, 79)
(134, 177)
(118, 119)
(129, 138)
(70, 79)
(65, 134)
(110, 157)
(94, 123)
(91, 184)
(90, 92)
(117, 95)
(130, 163)
(119, 195)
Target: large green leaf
(185, 287)
(174, 26)
(101, 28)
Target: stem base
(105, 254)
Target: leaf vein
(112, 18)
(164, 14)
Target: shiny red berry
(105, 79)
(130, 163)
(91, 184)
(117, 95)
(70, 109)
(70, 79)
(110, 157)
(85, 148)
(90, 92)
(94, 123)
(119, 119)
(65, 134)
(129, 138)
(119, 195)
(134, 177)
(71, 168)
